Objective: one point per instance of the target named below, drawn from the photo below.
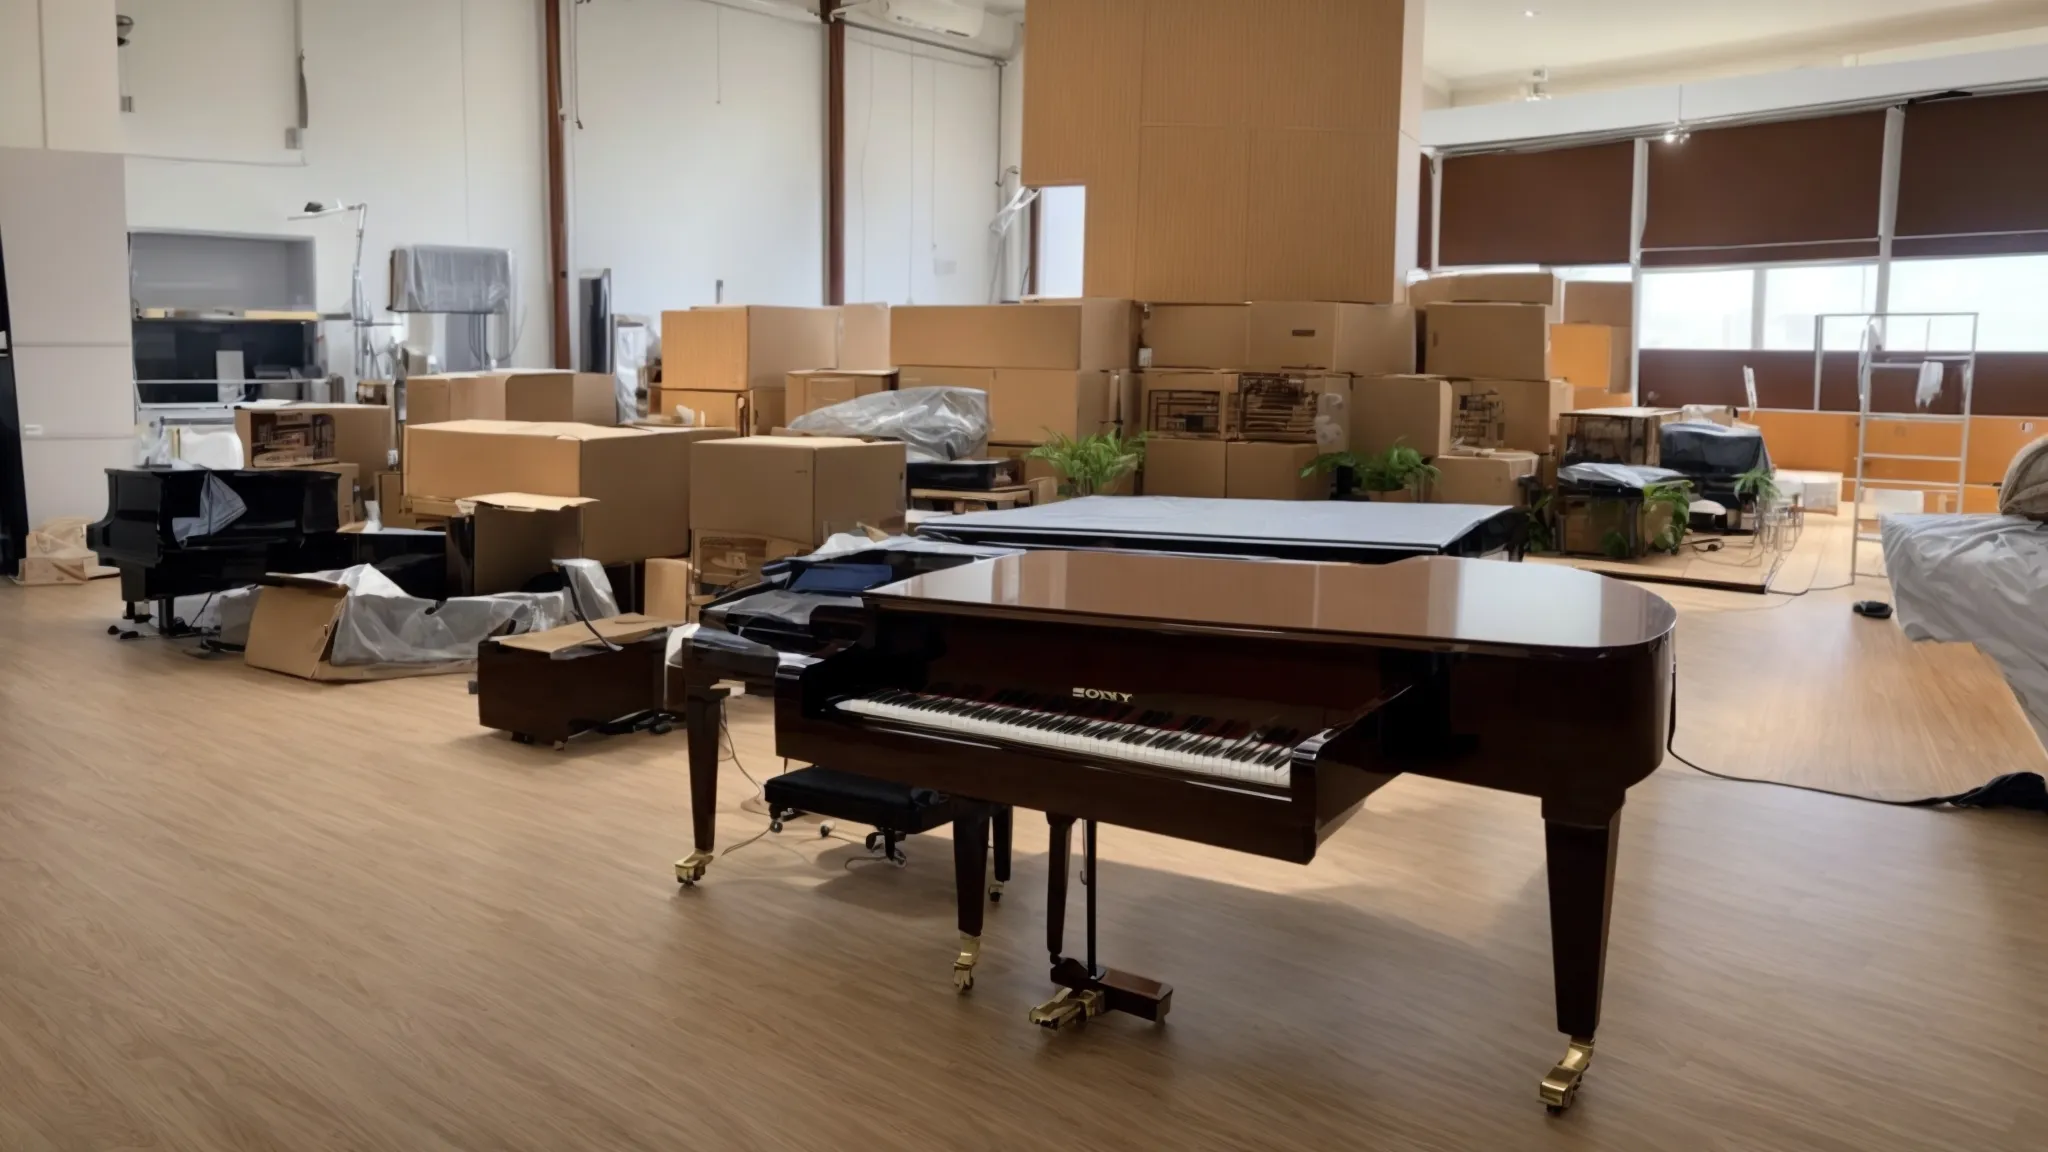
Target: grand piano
(1245, 704)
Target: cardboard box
(1593, 356)
(1295, 408)
(667, 589)
(931, 376)
(810, 391)
(285, 437)
(1488, 478)
(1618, 528)
(1609, 302)
(1588, 399)
(1041, 474)
(1070, 335)
(364, 434)
(505, 539)
(1508, 413)
(734, 559)
(640, 477)
(1614, 435)
(733, 349)
(864, 338)
(1030, 405)
(750, 413)
(797, 488)
(1255, 471)
(1488, 288)
(1213, 336)
(1199, 405)
(1364, 339)
(1186, 468)
(348, 493)
(1504, 341)
(390, 495)
(292, 631)
(441, 399)
(539, 396)
(1411, 410)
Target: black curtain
(13, 485)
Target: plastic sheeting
(933, 423)
(219, 507)
(1613, 477)
(1709, 451)
(2025, 491)
(1977, 580)
(380, 624)
(443, 278)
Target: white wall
(429, 111)
(1017, 258)
(72, 104)
(923, 147)
(700, 155)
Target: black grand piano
(1246, 704)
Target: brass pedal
(1069, 1008)
(690, 869)
(1561, 1087)
(963, 965)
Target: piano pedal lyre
(1562, 1085)
(690, 869)
(1069, 1007)
(963, 964)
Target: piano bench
(895, 811)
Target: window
(1794, 296)
(1699, 309)
(1603, 272)
(1062, 240)
(2008, 293)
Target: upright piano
(1244, 704)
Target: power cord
(576, 602)
(2012, 790)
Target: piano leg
(1086, 990)
(1581, 867)
(1004, 820)
(703, 717)
(970, 878)
(1059, 858)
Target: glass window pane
(1794, 296)
(1062, 239)
(1698, 309)
(1605, 272)
(2008, 293)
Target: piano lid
(1414, 528)
(1445, 600)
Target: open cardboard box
(292, 632)
(503, 540)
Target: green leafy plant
(1542, 535)
(1675, 495)
(1757, 484)
(1091, 464)
(1399, 467)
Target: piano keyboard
(1116, 733)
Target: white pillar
(60, 81)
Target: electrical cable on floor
(2012, 790)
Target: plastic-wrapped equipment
(2025, 491)
(932, 423)
(1613, 477)
(380, 624)
(1977, 579)
(1710, 451)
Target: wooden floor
(240, 911)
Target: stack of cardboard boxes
(1237, 399)
(353, 441)
(1595, 346)
(741, 367)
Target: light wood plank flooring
(239, 911)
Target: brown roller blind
(1727, 195)
(1563, 206)
(1973, 177)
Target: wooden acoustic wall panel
(1809, 441)
(1332, 64)
(1972, 179)
(1196, 61)
(1805, 182)
(1109, 258)
(1314, 234)
(1082, 89)
(1563, 206)
(1192, 214)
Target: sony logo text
(1099, 694)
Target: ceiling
(1467, 41)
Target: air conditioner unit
(961, 18)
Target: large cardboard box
(1593, 356)
(810, 391)
(640, 477)
(363, 433)
(1179, 403)
(668, 589)
(1488, 288)
(1614, 435)
(799, 488)
(725, 559)
(733, 349)
(292, 631)
(540, 396)
(285, 437)
(1411, 410)
(505, 539)
(1482, 478)
(1073, 335)
(864, 338)
(1213, 336)
(748, 413)
(1609, 302)
(1509, 413)
(1255, 471)
(1506, 341)
(1186, 468)
(1027, 405)
(1362, 339)
(1295, 408)
(348, 491)
(440, 399)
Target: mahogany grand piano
(1252, 705)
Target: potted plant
(1091, 464)
(1400, 473)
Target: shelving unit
(1873, 357)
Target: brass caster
(1561, 1087)
(963, 965)
(1067, 1009)
(690, 869)
(995, 891)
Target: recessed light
(1531, 13)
